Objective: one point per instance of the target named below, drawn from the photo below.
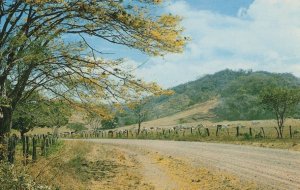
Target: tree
(281, 101)
(140, 110)
(94, 121)
(109, 123)
(44, 47)
(36, 111)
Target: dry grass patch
(121, 170)
(190, 177)
(88, 166)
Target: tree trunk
(6, 120)
(22, 133)
(281, 131)
(2, 148)
(277, 132)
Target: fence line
(199, 132)
(32, 146)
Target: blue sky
(231, 7)
(234, 34)
(226, 7)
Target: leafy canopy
(38, 51)
(281, 101)
(37, 111)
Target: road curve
(277, 169)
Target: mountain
(237, 93)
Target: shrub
(11, 178)
(247, 136)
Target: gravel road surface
(273, 168)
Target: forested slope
(237, 91)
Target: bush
(11, 178)
(247, 136)
(109, 123)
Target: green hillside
(237, 92)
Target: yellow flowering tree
(36, 53)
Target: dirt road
(276, 169)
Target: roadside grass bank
(18, 176)
(85, 165)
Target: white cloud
(266, 36)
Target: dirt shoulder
(167, 172)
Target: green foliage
(240, 98)
(36, 111)
(282, 102)
(188, 94)
(238, 92)
(76, 126)
(247, 136)
(109, 123)
(55, 148)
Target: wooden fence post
(262, 129)
(47, 144)
(291, 134)
(207, 132)
(34, 156)
(44, 145)
(237, 131)
(27, 146)
(250, 132)
(12, 142)
(24, 145)
(217, 131)
(199, 131)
